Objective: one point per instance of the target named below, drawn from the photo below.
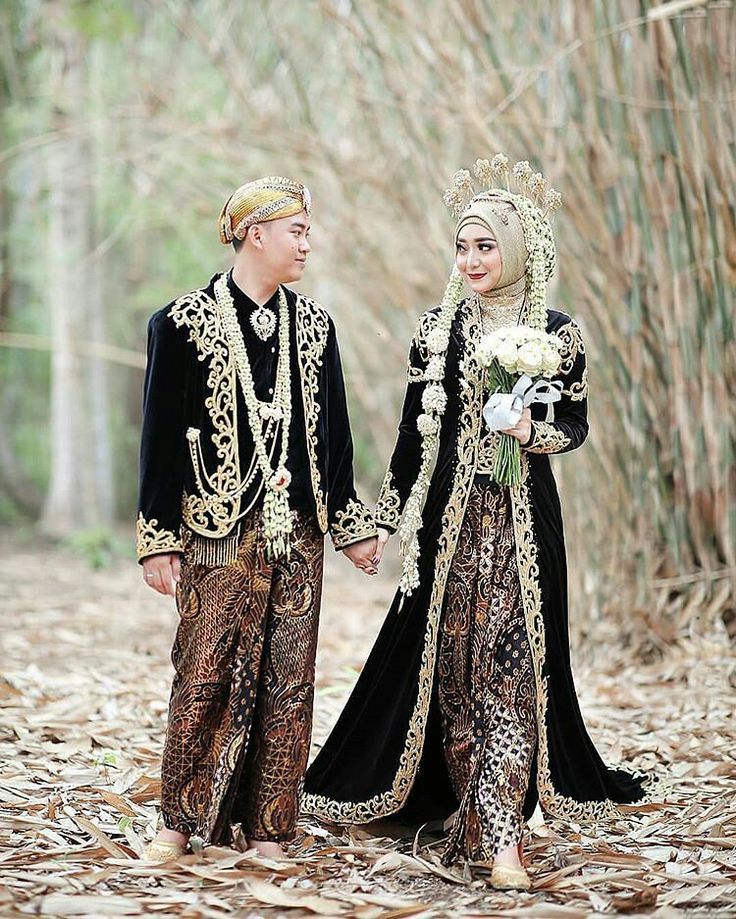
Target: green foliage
(100, 547)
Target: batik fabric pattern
(485, 682)
(240, 715)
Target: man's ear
(254, 235)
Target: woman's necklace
(277, 517)
(497, 312)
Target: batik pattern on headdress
(269, 198)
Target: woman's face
(477, 257)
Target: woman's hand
(383, 538)
(522, 430)
(362, 553)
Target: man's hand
(383, 537)
(522, 430)
(362, 553)
(161, 572)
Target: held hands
(362, 554)
(522, 430)
(383, 538)
(161, 572)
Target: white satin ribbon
(503, 409)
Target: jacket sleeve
(570, 427)
(406, 459)
(349, 519)
(163, 441)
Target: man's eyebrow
(300, 225)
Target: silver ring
(149, 577)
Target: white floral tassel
(434, 403)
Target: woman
(467, 702)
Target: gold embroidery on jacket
(526, 554)
(388, 506)
(152, 539)
(312, 328)
(213, 514)
(548, 438)
(391, 800)
(572, 346)
(352, 524)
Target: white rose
(530, 358)
(485, 352)
(506, 355)
(550, 360)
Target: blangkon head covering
(269, 198)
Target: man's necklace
(277, 517)
(263, 321)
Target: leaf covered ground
(83, 696)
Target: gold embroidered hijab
(527, 263)
(502, 221)
(269, 198)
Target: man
(246, 461)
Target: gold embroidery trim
(213, 514)
(312, 328)
(414, 374)
(388, 506)
(427, 321)
(388, 802)
(573, 346)
(352, 524)
(391, 800)
(579, 389)
(154, 540)
(528, 567)
(548, 438)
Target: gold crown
(530, 185)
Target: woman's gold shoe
(159, 851)
(503, 877)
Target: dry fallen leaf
(82, 716)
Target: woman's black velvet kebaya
(366, 770)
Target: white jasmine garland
(438, 340)
(427, 425)
(277, 516)
(434, 403)
(435, 368)
(434, 399)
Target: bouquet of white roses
(520, 360)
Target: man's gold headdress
(269, 198)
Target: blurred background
(126, 124)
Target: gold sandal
(160, 851)
(504, 877)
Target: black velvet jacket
(385, 754)
(196, 446)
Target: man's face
(286, 247)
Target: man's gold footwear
(503, 877)
(159, 851)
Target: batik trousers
(240, 714)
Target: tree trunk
(76, 498)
